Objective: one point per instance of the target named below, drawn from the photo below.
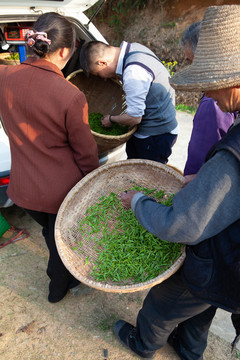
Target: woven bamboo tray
(5, 61)
(104, 96)
(114, 177)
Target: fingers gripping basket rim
(99, 182)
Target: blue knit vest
(160, 114)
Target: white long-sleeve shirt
(136, 84)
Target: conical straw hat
(216, 63)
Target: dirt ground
(77, 328)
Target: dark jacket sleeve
(202, 209)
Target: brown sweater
(46, 119)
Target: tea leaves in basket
(96, 126)
(126, 251)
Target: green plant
(96, 126)
(126, 252)
(169, 24)
(118, 9)
(170, 65)
(13, 56)
(189, 109)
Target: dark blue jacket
(211, 270)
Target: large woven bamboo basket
(5, 61)
(114, 177)
(104, 96)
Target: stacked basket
(104, 96)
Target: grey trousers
(170, 305)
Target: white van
(16, 17)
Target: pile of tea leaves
(96, 126)
(126, 252)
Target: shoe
(56, 297)
(126, 334)
(81, 289)
(173, 342)
(74, 283)
(57, 294)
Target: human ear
(102, 63)
(64, 52)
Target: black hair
(59, 30)
(191, 34)
(89, 54)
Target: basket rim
(81, 71)
(105, 136)
(119, 163)
(101, 285)
(74, 73)
(116, 137)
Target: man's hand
(126, 198)
(106, 121)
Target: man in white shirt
(150, 99)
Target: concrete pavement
(179, 153)
(222, 325)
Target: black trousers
(60, 278)
(157, 148)
(170, 305)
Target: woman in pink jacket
(46, 119)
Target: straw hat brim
(216, 63)
(191, 79)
